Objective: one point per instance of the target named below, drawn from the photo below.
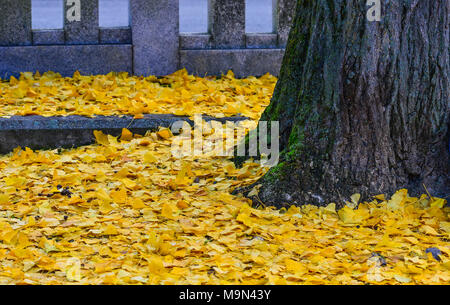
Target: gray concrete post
(226, 23)
(15, 22)
(284, 11)
(81, 21)
(155, 36)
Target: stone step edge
(39, 132)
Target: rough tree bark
(363, 106)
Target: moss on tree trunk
(363, 106)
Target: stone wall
(152, 45)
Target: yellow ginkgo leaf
(155, 265)
(428, 230)
(181, 204)
(103, 195)
(397, 200)
(73, 270)
(402, 279)
(164, 133)
(4, 199)
(381, 197)
(126, 135)
(295, 267)
(331, 208)
(128, 183)
(438, 202)
(350, 216)
(105, 207)
(445, 226)
(101, 138)
(119, 196)
(355, 198)
(138, 203)
(167, 211)
(149, 157)
(110, 230)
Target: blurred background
(48, 14)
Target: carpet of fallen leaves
(50, 94)
(126, 211)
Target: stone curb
(38, 132)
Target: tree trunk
(363, 106)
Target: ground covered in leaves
(50, 94)
(126, 211)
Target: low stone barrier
(38, 132)
(151, 45)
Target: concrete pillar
(284, 11)
(81, 21)
(15, 22)
(155, 36)
(226, 22)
